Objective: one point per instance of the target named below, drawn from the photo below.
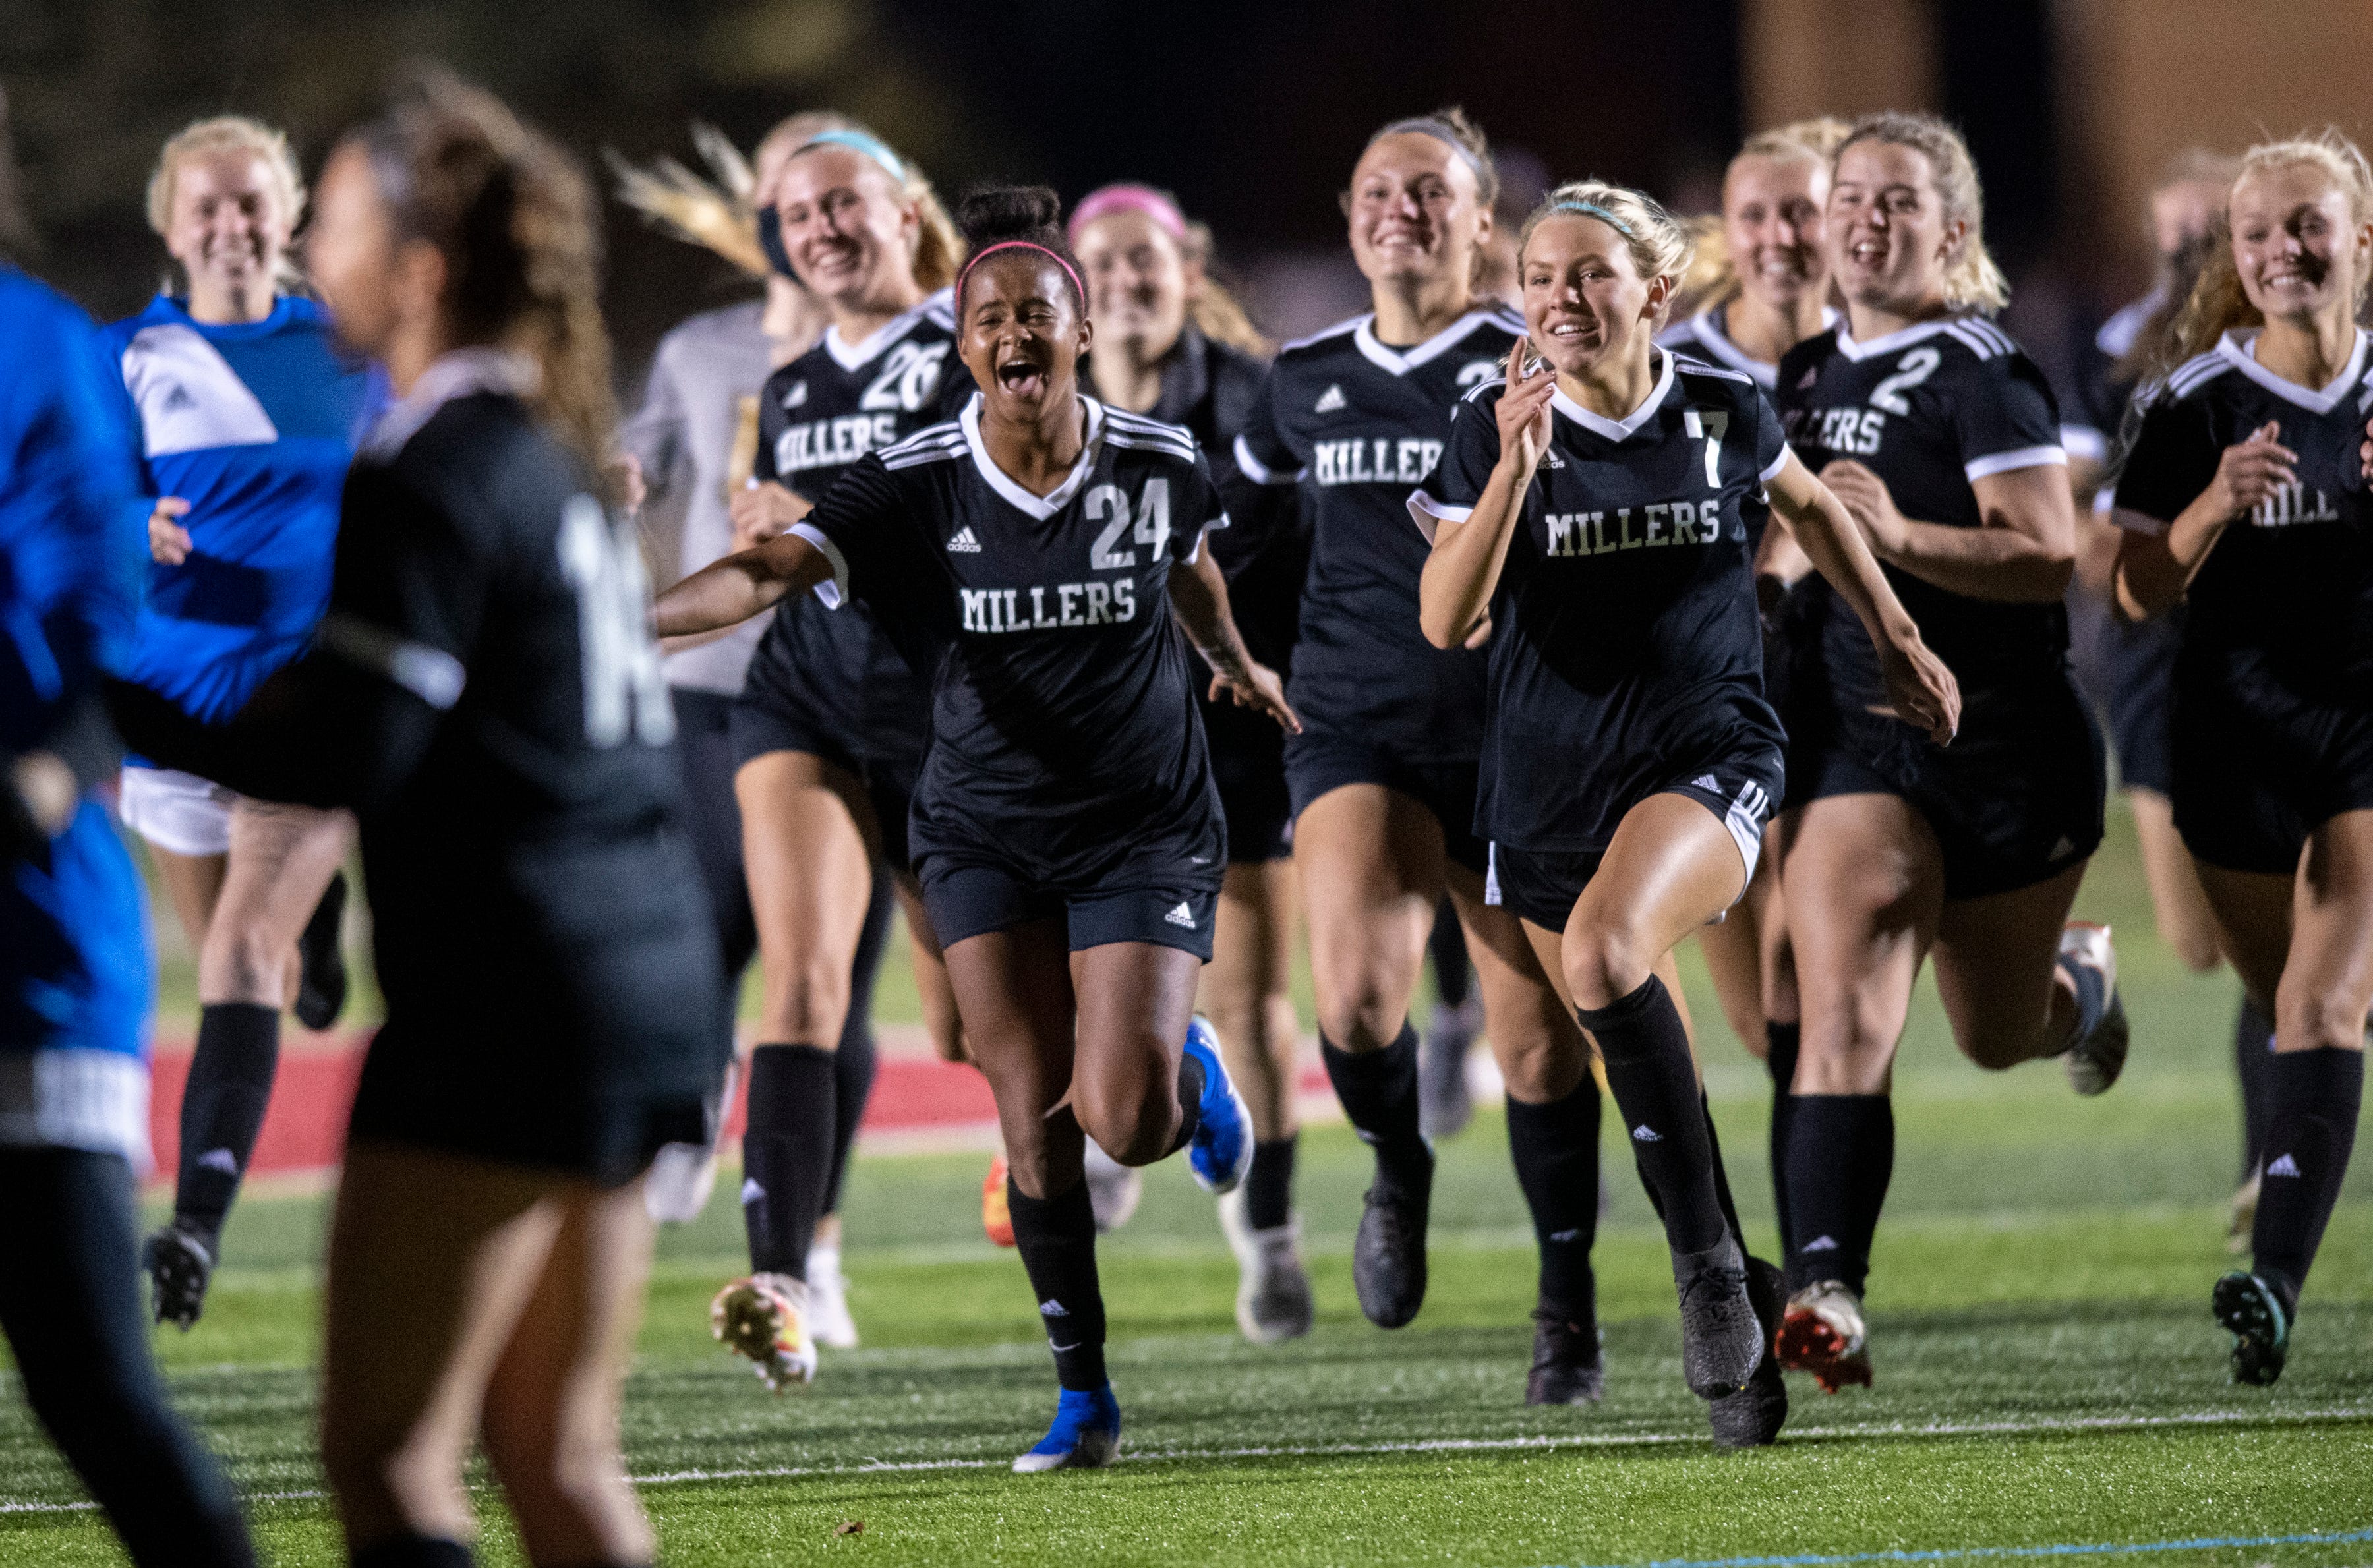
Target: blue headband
(1429, 126)
(858, 142)
(1593, 209)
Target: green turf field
(2047, 1375)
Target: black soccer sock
(1646, 1050)
(1721, 1176)
(2311, 1129)
(1840, 1156)
(222, 1110)
(2253, 1064)
(1555, 1147)
(1057, 1238)
(414, 1551)
(1269, 1186)
(1190, 1104)
(1379, 1094)
(787, 1155)
(855, 1062)
(1453, 973)
(1780, 1041)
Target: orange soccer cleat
(995, 1217)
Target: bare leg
(2178, 904)
(1246, 990)
(1997, 973)
(1372, 867)
(193, 883)
(281, 860)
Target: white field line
(1438, 1445)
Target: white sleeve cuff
(1427, 512)
(2136, 522)
(2086, 442)
(1195, 552)
(834, 592)
(1778, 463)
(1259, 471)
(2025, 457)
(433, 675)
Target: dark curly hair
(1002, 214)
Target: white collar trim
(850, 355)
(1401, 361)
(1038, 507)
(1612, 429)
(1904, 338)
(461, 372)
(2241, 349)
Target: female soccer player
(1174, 345)
(1382, 776)
(2246, 497)
(1598, 501)
(248, 414)
(1030, 555)
(484, 694)
(74, 977)
(1941, 437)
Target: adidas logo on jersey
(751, 1192)
(964, 544)
(1822, 1244)
(797, 395)
(1644, 1133)
(2283, 1167)
(1181, 915)
(1330, 401)
(221, 1160)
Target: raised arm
(749, 582)
(1453, 594)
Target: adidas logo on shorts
(1705, 781)
(1644, 1133)
(2285, 1167)
(1181, 915)
(964, 544)
(1329, 401)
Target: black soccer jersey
(837, 674)
(1930, 410)
(1358, 423)
(1065, 740)
(2286, 594)
(1627, 640)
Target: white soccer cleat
(1273, 1300)
(2095, 1059)
(828, 1317)
(682, 1175)
(1113, 1189)
(764, 1318)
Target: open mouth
(1573, 334)
(1021, 378)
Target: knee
(2310, 1017)
(1605, 962)
(1353, 1008)
(1541, 1070)
(1840, 1061)
(1132, 1122)
(244, 966)
(811, 1003)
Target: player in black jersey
(829, 726)
(2246, 495)
(1383, 775)
(1597, 507)
(1031, 556)
(1769, 293)
(1940, 435)
(1173, 344)
(485, 696)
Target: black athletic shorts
(2139, 670)
(970, 899)
(888, 782)
(2015, 800)
(1248, 765)
(1316, 763)
(2256, 772)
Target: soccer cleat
(1085, 1436)
(2097, 1055)
(996, 1217)
(1721, 1340)
(765, 1318)
(1388, 1253)
(1445, 1105)
(2252, 1312)
(1272, 1287)
(1113, 1188)
(181, 1264)
(2241, 1216)
(1752, 1417)
(1221, 1150)
(1822, 1332)
(322, 960)
(1568, 1361)
(682, 1175)
(828, 1317)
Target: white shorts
(180, 812)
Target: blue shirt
(253, 423)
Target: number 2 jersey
(828, 681)
(1359, 422)
(1065, 745)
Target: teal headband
(1592, 210)
(858, 142)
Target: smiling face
(1415, 211)
(1772, 218)
(848, 226)
(1585, 303)
(1022, 333)
(2293, 243)
(228, 223)
(1891, 242)
(1140, 282)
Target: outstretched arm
(749, 582)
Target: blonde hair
(1972, 282)
(2218, 302)
(1660, 245)
(1712, 277)
(939, 248)
(231, 133)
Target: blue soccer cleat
(1221, 1150)
(1085, 1436)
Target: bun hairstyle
(1659, 242)
(990, 216)
(2218, 302)
(1972, 282)
(516, 222)
(232, 133)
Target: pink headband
(1130, 198)
(985, 251)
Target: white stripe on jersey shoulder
(1684, 365)
(1124, 429)
(933, 443)
(189, 397)
(1980, 337)
(939, 309)
(1703, 335)
(1324, 333)
(2194, 374)
(1488, 384)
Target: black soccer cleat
(1752, 1417)
(1568, 1363)
(1722, 1341)
(181, 1264)
(2251, 1310)
(1389, 1254)
(322, 960)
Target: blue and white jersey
(253, 423)
(74, 938)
